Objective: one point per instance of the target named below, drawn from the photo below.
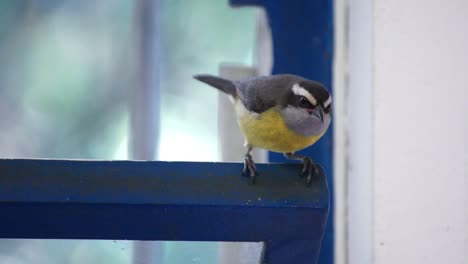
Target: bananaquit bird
(281, 113)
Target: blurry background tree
(67, 73)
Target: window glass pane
(198, 37)
(63, 83)
(40, 251)
(67, 71)
(60, 251)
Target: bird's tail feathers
(221, 84)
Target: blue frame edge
(151, 200)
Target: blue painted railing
(147, 200)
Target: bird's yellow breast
(268, 130)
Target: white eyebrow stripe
(298, 90)
(327, 102)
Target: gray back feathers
(258, 94)
(262, 93)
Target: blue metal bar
(302, 35)
(148, 200)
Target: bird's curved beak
(318, 112)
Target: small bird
(282, 113)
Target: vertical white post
(144, 110)
(231, 143)
(360, 156)
(340, 136)
(231, 140)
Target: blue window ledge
(149, 200)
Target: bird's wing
(262, 93)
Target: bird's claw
(249, 169)
(305, 167)
(309, 170)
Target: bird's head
(306, 108)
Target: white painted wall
(408, 156)
(421, 131)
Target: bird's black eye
(305, 103)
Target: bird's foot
(309, 170)
(249, 169)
